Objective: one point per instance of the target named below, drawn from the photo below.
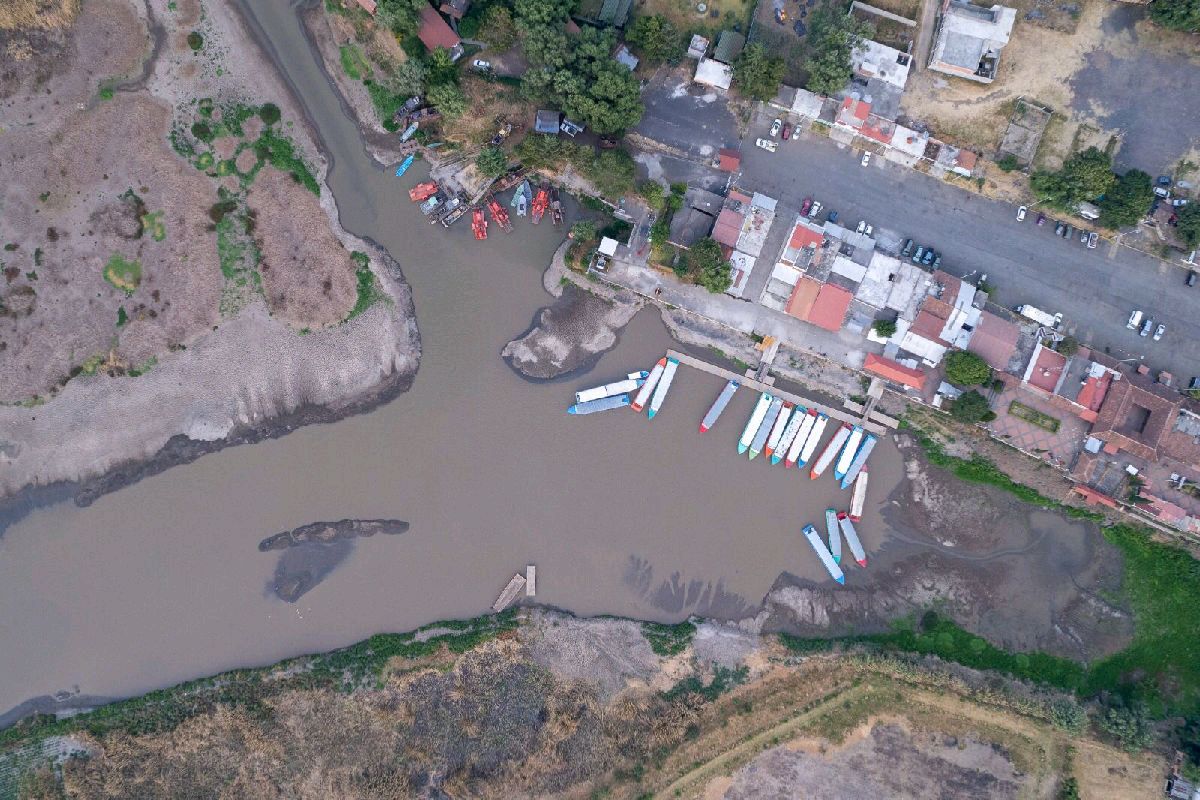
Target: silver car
(1159, 331)
(1147, 326)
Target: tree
(1069, 790)
(448, 99)
(407, 79)
(440, 67)
(612, 171)
(885, 328)
(833, 37)
(1008, 162)
(972, 407)
(1085, 176)
(652, 193)
(758, 74)
(498, 29)
(491, 161)
(269, 113)
(709, 267)
(1129, 726)
(1128, 201)
(1069, 346)
(583, 231)
(581, 77)
(966, 369)
(1189, 224)
(655, 38)
(400, 16)
(532, 14)
(1179, 15)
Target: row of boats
(439, 207)
(782, 430)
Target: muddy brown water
(163, 581)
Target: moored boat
(609, 389)
(541, 202)
(823, 553)
(479, 224)
(835, 536)
(789, 434)
(602, 404)
(520, 198)
(422, 191)
(756, 418)
(456, 208)
(664, 386)
(633, 376)
(643, 394)
(499, 215)
(846, 457)
(860, 460)
(556, 214)
(764, 430)
(797, 446)
(718, 406)
(814, 439)
(431, 204)
(785, 415)
(831, 450)
(852, 538)
(859, 496)
(405, 164)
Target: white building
(714, 73)
(874, 60)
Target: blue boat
(860, 460)
(603, 404)
(823, 553)
(405, 164)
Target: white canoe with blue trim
(860, 460)
(830, 451)
(835, 535)
(764, 430)
(718, 406)
(814, 439)
(823, 553)
(664, 386)
(777, 429)
(797, 446)
(609, 389)
(603, 404)
(846, 458)
(643, 394)
(799, 416)
(756, 418)
(852, 539)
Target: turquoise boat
(603, 404)
(405, 164)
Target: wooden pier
(509, 593)
(870, 425)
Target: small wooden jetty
(509, 594)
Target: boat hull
(718, 406)
(643, 394)
(789, 434)
(858, 498)
(756, 418)
(664, 386)
(846, 456)
(831, 450)
(785, 416)
(814, 440)
(603, 404)
(860, 460)
(764, 430)
(834, 533)
(852, 540)
(823, 553)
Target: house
(853, 113)
(728, 160)
(710, 72)
(807, 104)
(969, 40)
(946, 318)
(740, 266)
(895, 372)
(872, 60)
(435, 32)
(614, 12)
(729, 46)
(455, 9)
(1137, 417)
(698, 47)
(625, 58)
(994, 340)
(696, 219)
(546, 122)
(829, 309)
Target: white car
(481, 65)
(862, 226)
(776, 127)
(870, 230)
(767, 144)
(815, 210)
(1135, 319)
(866, 159)
(1021, 212)
(1159, 331)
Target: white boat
(756, 418)
(835, 536)
(764, 430)
(643, 394)
(640, 375)
(831, 450)
(860, 460)
(814, 439)
(852, 539)
(789, 434)
(664, 386)
(823, 553)
(776, 434)
(797, 446)
(601, 404)
(608, 390)
(860, 495)
(718, 406)
(846, 457)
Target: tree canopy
(709, 267)
(400, 16)
(1127, 201)
(972, 407)
(1084, 177)
(583, 231)
(491, 161)
(655, 38)
(1189, 224)
(497, 28)
(966, 369)
(448, 99)
(758, 74)
(833, 37)
(1180, 15)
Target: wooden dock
(870, 425)
(509, 593)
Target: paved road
(1095, 289)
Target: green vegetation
(1130, 727)
(232, 252)
(400, 16)
(368, 285)
(1189, 224)
(1034, 417)
(354, 63)
(612, 172)
(723, 680)
(669, 640)
(497, 27)
(583, 231)
(448, 99)
(967, 369)
(655, 39)
(195, 40)
(971, 407)
(106, 90)
(1127, 201)
(122, 317)
(123, 274)
(279, 152)
(1084, 177)
(708, 266)
(1179, 15)
(885, 328)
(758, 74)
(153, 222)
(1008, 162)
(491, 161)
(833, 35)
(269, 113)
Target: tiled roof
(829, 310)
(803, 296)
(994, 340)
(435, 32)
(1047, 370)
(730, 160)
(728, 227)
(803, 236)
(854, 112)
(929, 326)
(895, 372)
(1136, 415)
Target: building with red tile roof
(729, 160)
(853, 113)
(1045, 369)
(803, 296)
(895, 372)
(728, 227)
(435, 32)
(804, 236)
(829, 309)
(994, 340)
(1136, 416)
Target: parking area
(693, 120)
(1095, 289)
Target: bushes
(1008, 163)
(1084, 177)
(972, 407)
(668, 640)
(967, 369)
(885, 328)
(1127, 201)
(279, 152)
(269, 113)
(195, 40)
(491, 161)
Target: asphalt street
(1094, 289)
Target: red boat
(499, 214)
(422, 191)
(555, 207)
(541, 202)
(479, 224)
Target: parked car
(1161, 192)
(1180, 202)
(862, 226)
(1068, 231)
(937, 263)
(869, 231)
(1164, 180)
(832, 216)
(776, 127)
(787, 131)
(1134, 320)
(1159, 331)
(1147, 326)
(1083, 237)
(766, 144)
(1093, 239)
(928, 259)
(1021, 213)
(481, 65)
(1058, 226)
(917, 256)
(1191, 278)
(866, 159)
(906, 251)
(1041, 220)
(805, 206)
(816, 209)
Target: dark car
(832, 216)
(906, 251)
(787, 131)
(1164, 180)
(1191, 278)
(937, 263)
(1041, 220)
(805, 206)
(1067, 233)
(928, 259)
(1059, 228)
(917, 256)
